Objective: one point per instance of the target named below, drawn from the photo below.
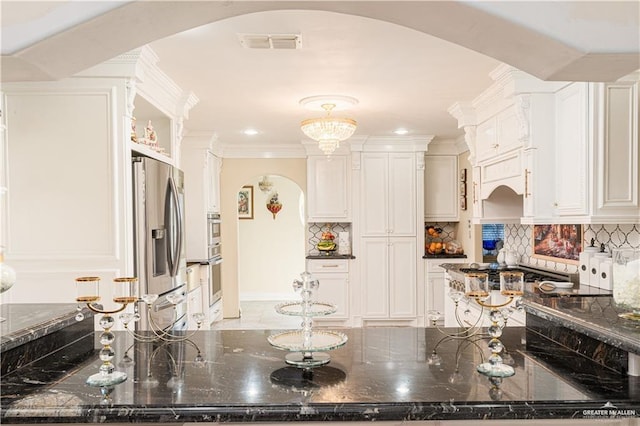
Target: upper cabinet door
(441, 185)
(212, 182)
(571, 150)
(328, 189)
(375, 194)
(402, 194)
(388, 194)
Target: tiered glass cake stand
(307, 346)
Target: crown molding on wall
(263, 151)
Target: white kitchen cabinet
(388, 194)
(441, 188)
(328, 188)
(597, 157)
(333, 277)
(202, 192)
(538, 161)
(476, 202)
(435, 285)
(389, 278)
(79, 157)
(497, 135)
(194, 305)
(572, 150)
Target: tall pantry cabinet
(390, 231)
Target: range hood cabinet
(502, 205)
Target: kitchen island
(399, 374)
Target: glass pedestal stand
(307, 346)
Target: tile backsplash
(315, 230)
(518, 238)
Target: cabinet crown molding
(151, 82)
(393, 143)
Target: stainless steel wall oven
(215, 275)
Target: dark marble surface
(33, 331)
(444, 256)
(331, 256)
(594, 317)
(604, 354)
(25, 322)
(380, 374)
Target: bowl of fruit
(326, 245)
(434, 244)
(435, 247)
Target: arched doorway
(271, 247)
(236, 173)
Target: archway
(236, 172)
(271, 246)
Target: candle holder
(456, 377)
(87, 293)
(476, 290)
(156, 331)
(511, 287)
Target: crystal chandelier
(265, 184)
(328, 131)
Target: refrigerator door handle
(172, 210)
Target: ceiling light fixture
(250, 132)
(328, 131)
(265, 184)
(401, 131)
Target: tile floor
(257, 315)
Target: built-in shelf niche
(162, 124)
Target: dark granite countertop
(596, 317)
(380, 374)
(330, 256)
(444, 256)
(25, 322)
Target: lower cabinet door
(402, 277)
(375, 277)
(334, 289)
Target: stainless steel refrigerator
(159, 245)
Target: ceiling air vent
(270, 41)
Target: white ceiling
(385, 54)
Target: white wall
(271, 252)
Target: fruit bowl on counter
(436, 245)
(326, 245)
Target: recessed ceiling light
(401, 131)
(250, 132)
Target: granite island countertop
(380, 374)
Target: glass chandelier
(328, 131)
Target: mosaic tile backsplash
(518, 238)
(315, 230)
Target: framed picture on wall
(558, 243)
(463, 175)
(245, 202)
